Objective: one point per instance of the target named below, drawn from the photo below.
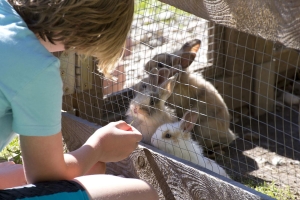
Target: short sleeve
(36, 107)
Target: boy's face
(59, 46)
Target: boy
(31, 94)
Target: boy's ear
(167, 87)
(188, 121)
(163, 75)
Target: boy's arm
(12, 175)
(44, 160)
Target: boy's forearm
(80, 161)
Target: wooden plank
(67, 104)
(85, 66)
(264, 82)
(88, 97)
(76, 130)
(185, 180)
(110, 86)
(275, 20)
(67, 71)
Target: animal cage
(249, 56)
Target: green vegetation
(12, 152)
(272, 190)
(154, 8)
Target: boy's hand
(115, 141)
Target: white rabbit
(147, 110)
(175, 139)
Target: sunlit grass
(272, 190)
(154, 8)
(12, 152)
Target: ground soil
(271, 155)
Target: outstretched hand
(115, 141)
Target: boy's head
(93, 27)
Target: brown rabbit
(184, 56)
(194, 92)
(150, 83)
(147, 109)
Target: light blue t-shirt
(30, 82)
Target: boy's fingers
(123, 126)
(139, 137)
(134, 129)
(136, 135)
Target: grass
(153, 8)
(272, 190)
(12, 152)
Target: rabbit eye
(154, 99)
(160, 65)
(151, 102)
(168, 135)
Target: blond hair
(92, 27)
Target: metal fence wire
(220, 98)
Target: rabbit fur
(147, 110)
(175, 138)
(194, 92)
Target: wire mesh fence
(223, 99)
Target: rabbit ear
(153, 77)
(191, 46)
(188, 121)
(166, 88)
(176, 69)
(188, 53)
(187, 59)
(163, 75)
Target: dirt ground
(273, 155)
